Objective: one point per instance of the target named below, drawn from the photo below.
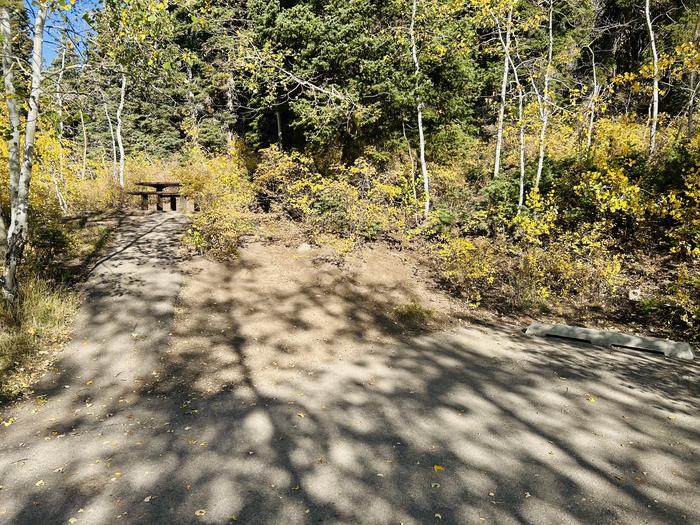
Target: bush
(221, 189)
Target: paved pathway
(61, 439)
(287, 398)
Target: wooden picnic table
(159, 190)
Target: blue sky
(73, 19)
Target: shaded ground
(289, 390)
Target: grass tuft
(29, 341)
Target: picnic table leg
(159, 203)
(144, 202)
(173, 203)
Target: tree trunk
(694, 84)
(120, 140)
(59, 103)
(413, 164)
(521, 119)
(592, 106)
(654, 117)
(504, 89)
(419, 108)
(521, 134)
(278, 116)
(18, 231)
(13, 114)
(111, 134)
(57, 188)
(544, 110)
(59, 92)
(85, 144)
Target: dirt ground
(294, 302)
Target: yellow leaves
(39, 483)
(301, 415)
(590, 398)
(199, 513)
(538, 218)
(8, 422)
(612, 192)
(438, 468)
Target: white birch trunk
(592, 106)
(694, 85)
(521, 132)
(18, 230)
(13, 114)
(654, 116)
(521, 120)
(419, 110)
(120, 140)
(504, 90)
(413, 171)
(115, 171)
(83, 170)
(544, 109)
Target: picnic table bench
(161, 193)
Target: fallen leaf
(590, 398)
(438, 516)
(528, 495)
(88, 382)
(438, 468)
(8, 422)
(147, 498)
(301, 414)
(200, 512)
(435, 485)
(39, 483)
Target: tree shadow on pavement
(310, 403)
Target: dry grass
(29, 342)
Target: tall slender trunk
(13, 113)
(120, 140)
(521, 132)
(592, 105)
(18, 230)
(654, 116)
(521, 120)
(419, 110)
(278, 117)
(57, 188)
(544, 109)
(115, 172)
(413, 169)
(694, 84)
(83, 170)
(59, 103)
(504, 90)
